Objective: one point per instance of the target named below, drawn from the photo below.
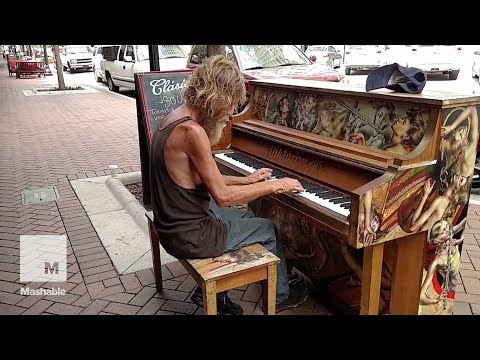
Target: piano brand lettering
(288, 155)
(160, 86)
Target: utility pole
(154, 58)
(48, 72)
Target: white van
(440, 59)
(364, 57)
(99, 54)
(132, 59)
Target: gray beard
(214, 128)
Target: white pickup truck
(77, 57)
(131, 59)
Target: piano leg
(371, 279)
(407, 274)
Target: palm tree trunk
(58, 62)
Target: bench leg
(269, 290)
(156, 259)
(209, 290)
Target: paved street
(51, 140)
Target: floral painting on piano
(381, 125)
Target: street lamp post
(48, 72)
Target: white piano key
(235, 163)
(325, 203)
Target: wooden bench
(29, 68)
(215, 275)
(11, 65)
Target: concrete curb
(130, 178)
(127, 199)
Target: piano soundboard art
(387, 179)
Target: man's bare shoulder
(192, 129)
(190, 136)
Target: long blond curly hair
(215, 86)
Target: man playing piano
(192, 200)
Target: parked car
(269, 61)
(440, 59)
(364, 57)
(76, 57)
(98, 57)
(476, 65)
(325, 54)
(128, 60)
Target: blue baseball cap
(398, 78)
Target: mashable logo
(43, 258)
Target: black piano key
(249, 161)
(330, 196)
(341, 200)
(307, 185)
(278, 173)
(246, 160)
(346, 205)
(254, 164)
(319, 190)
(257, 164)
(237, 157)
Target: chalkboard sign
(159, 93)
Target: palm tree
(58, 64)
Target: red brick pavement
(50, 140)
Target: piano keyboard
(317, 194)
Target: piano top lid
(429, 97)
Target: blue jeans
(243, 229)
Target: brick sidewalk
(50, 140)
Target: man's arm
(235, 180)
(198, 150)
(259, 175)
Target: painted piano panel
(424, 188)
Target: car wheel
(111, 85)
(347, 71)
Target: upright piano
(387, 180)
